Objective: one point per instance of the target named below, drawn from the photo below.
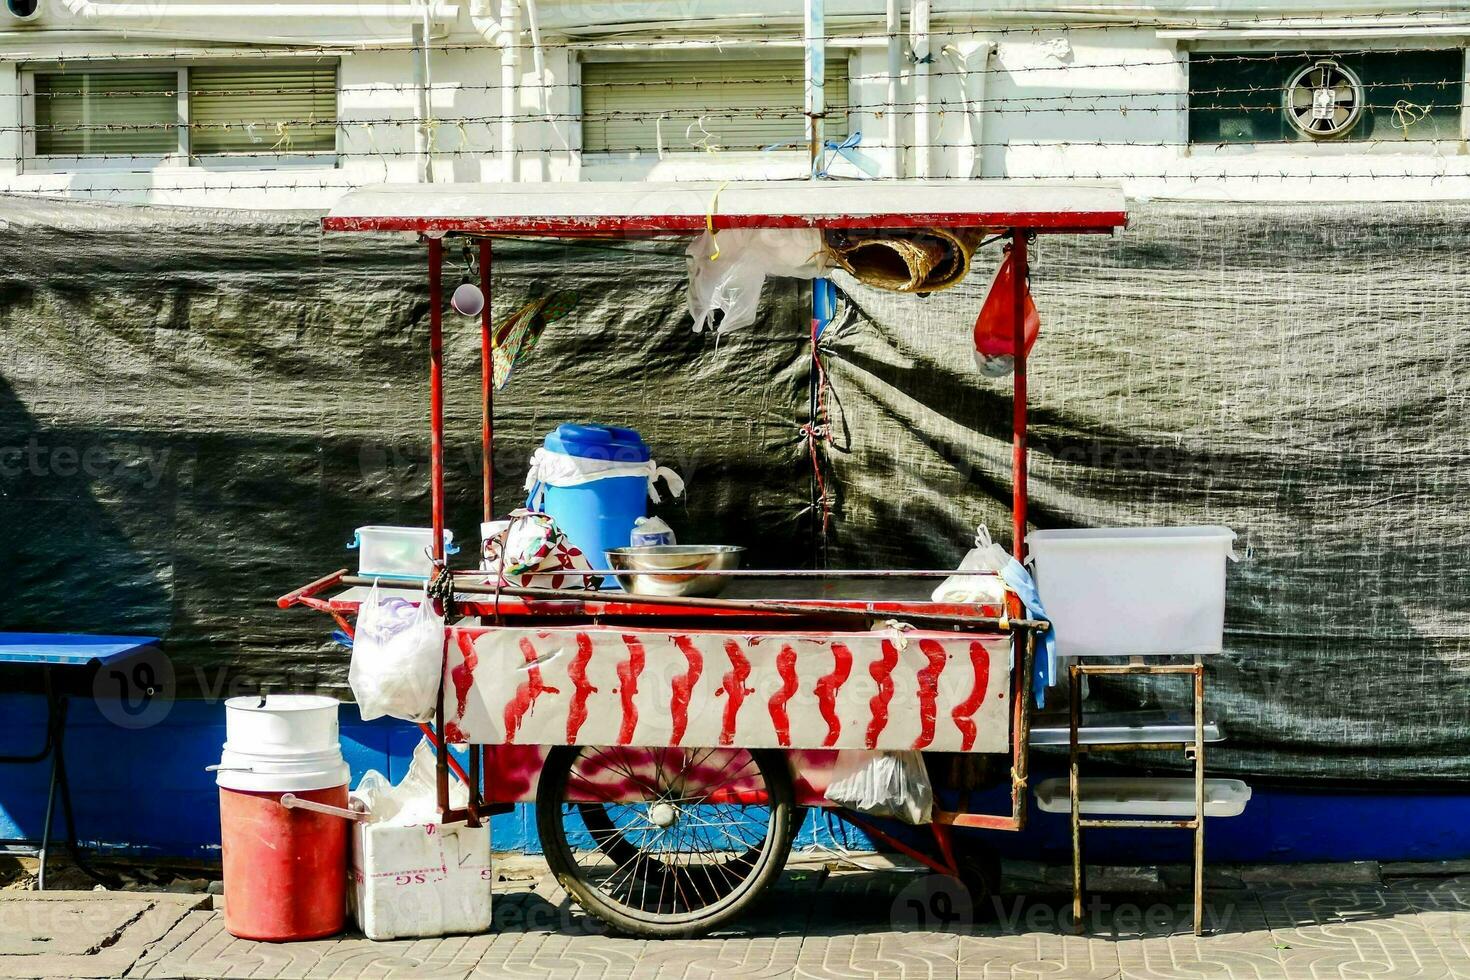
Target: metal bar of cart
(877, 833)
(487, 387)
(1195, 747)
(994, 623)
(1020, 753)
(856, 573)
(436, 494)
(1019, 271)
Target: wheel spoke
(686, 852)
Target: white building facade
(285, 104)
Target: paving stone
(83, 934)
(820, 922)
(1030, 955)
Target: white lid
(1135, 535)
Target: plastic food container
(398, 552)
(1136, 591)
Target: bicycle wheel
(663, 841)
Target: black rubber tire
(757, 867)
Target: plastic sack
(397, 657)
(651, 531)
(534, 553)
(728, 270)
(414, 800)
(560, 470)
(986, 591)
(883, 784)
(995, 327)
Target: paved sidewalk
(818, 923)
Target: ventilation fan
(1324, 100)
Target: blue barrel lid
(598, 442)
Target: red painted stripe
(827, 689)
(929, 691)
(786, 667)
(963, 713)
(683, 687)
(881, 670)
(735, 690)
(526, 692)
(628, 672)
(577, 713)
(462, 676)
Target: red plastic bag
(995, 327)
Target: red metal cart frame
(1016, 211)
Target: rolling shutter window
(85, 113)
(268, 111)
(744, 104)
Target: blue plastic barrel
(598, 515)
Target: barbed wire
(1189, 58)
(276, 125)
(1183, 177)
(365, 156)
(682, 83)
(57, 60)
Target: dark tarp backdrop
(197, 408)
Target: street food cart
(672, 744)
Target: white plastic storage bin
(420, 880)
(1135, 591)
(1143, 797)
(400, 552)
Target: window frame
(181, 159)
(1324, 148)
(584, 56)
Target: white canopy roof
(597, 208)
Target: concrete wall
(1045, 89)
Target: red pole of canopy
(487, 386)
(436, 395)
(1018, 418)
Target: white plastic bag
(727, 271)
(883, 784)
(651, 531)
(415, 800)
(986, 591)
(397, 657)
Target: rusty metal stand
(1194, 747)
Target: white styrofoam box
(1135, 591)
(399, 552)
(420, 880)
(1143, 797)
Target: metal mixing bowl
(673, 569)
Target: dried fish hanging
(517, 334)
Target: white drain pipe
(919, 45)
(893, 26)
(510, 32)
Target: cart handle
(313, 589)
(293, 802)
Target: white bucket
(1135, 591)
(281, 743)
